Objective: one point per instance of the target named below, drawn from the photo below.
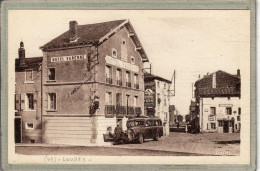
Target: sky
(191, 42)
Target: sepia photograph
(141, 86)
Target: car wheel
(157, 136)
(141, 138)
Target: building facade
(218, 96)
(157, 99)
(172, 114)
(193, 110)
(27, 98)
(92, 77)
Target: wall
(162, 108)
(116, 42)
(73, 97)
(29, 116)
(205, 105)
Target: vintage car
(139, 129)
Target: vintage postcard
(166, 87)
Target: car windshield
(130, 123)
(134, 123)
(139, 123)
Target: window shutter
(23, 101)
(35, 101)
(208, 125)
(17, 102)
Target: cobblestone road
(176, 144)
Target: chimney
(238, 72)
(73, 31)
(21, 52)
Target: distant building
(172, 114)
(218, 96)
(193, 110)
(27, 98)
(156, 99)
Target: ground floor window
(220, 123)
(213, 125)
(52, 101)
(29, 101)
(29, 126)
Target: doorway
(18, 130)
(225, 127)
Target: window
(239, 111)
(132, 60)
(119, 77)
(29, 126)
(220, 123)
(213, 110)
(159, 99)
(158, 84)
(228, 110)
(51, 74)
(123, 42)
(108, 98)
(108, 74)
(52, 101)
(114, 53)
(127, 100)
(136, 84)
(128, 79)
(165, 116)
(165, 101)
(29, 75)
(135, 101)
(164, 86)
(213, 126)
(29, 102)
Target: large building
(92, 79)
(157, 99)
(218, 96)
(27, 98)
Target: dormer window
(132, 60)
(114, 53)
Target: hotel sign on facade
(119, 63)
(68, 58)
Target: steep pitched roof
(95, 34)
(227, 85)
(30, 63)
(150, 77)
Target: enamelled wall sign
(122, 64)
(68, 58)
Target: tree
(179, 118)
(187, 118)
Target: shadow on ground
(228, 142)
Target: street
(176, 144)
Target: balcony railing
(109, 80)
(109, 110)
(119, 82)
(136, 86)
(121, 111)
(138, 110)
(128, 84)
